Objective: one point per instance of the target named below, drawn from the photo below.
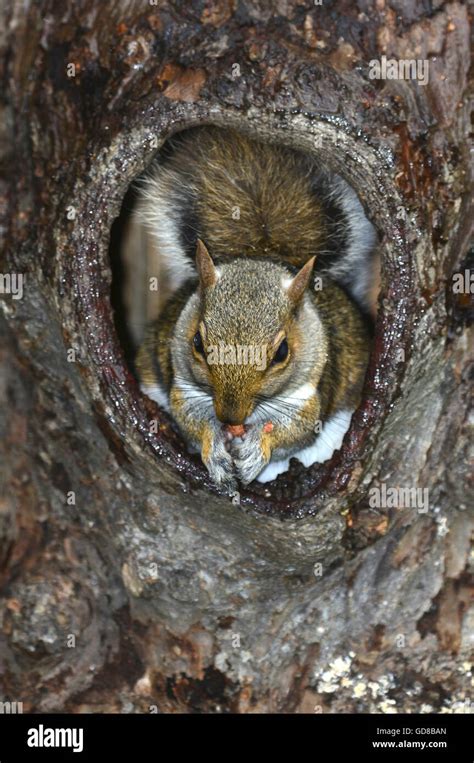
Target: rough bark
(177, 597)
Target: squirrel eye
(198, 345)
(282, 352)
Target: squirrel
(258, 353)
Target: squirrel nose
(232, 422)
(229, 413)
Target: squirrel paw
(220, 466)
(249, 455)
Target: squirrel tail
(357, 268)
(246, 198)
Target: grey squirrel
(257, 355)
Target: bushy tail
(247, 198)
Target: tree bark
(129, 583)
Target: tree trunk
(128, 581)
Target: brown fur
(267, 184)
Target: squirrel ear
(298, 284)
(205, 267)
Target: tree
(129, 582)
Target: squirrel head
(246, 333)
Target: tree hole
(348, 252)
